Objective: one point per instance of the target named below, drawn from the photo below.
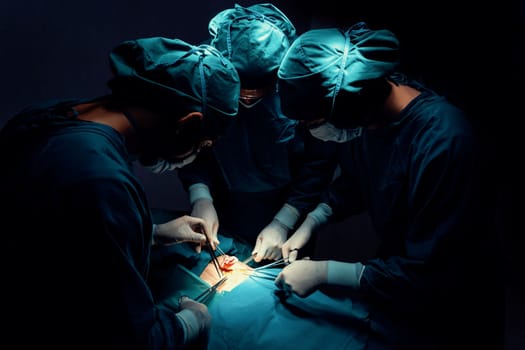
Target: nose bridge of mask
(250, 97)
(328, 132)
(163, 165)
(184, 162)
(159, 167)
(250, 103)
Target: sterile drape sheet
(257, 315)
(254, 315)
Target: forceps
(201, 298)
(212, 254)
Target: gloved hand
(203, 208)
(317, 217)
(196, 319)
(302, 276)
(290, 248)
(269, 242)
(305, 276)
(183, 229)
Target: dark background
(470, 52)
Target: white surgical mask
(250, 105)
(328, 132)
(163, 165)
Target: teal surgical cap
(255, 39)
(172, 76)
(322, 63)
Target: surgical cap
(255, 39)
(171, 76)
(321, 63)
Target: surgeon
(243, 181)
(412, 160)
(77, 229)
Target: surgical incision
(230, 266)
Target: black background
(471, 52)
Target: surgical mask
(163, 166)
(250, 97)
(251, 104)
(328, 132)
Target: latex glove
(203, 208)
(291, 247)
(269, 242)
(302, 277)
(316, 218)
(196, 319)
(183, 229)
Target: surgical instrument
(276, 263)
(203, 297)
(212, 255)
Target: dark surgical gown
(76, 234)
(435, 282)
(250, 170)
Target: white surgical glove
(269, 242)
(195, 318)
(302, 235)
(202, 207)
(303, 276)
(271, 238)
(183, 229)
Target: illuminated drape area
(472, 53)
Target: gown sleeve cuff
(321, 213)
(189, 324)
(345, 273)
(288, 216)
(199, 191)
